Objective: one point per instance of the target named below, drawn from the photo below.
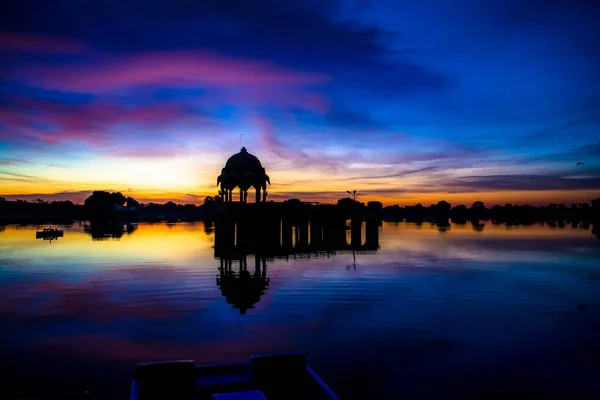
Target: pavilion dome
(243, 170)
(243, 162)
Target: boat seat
(249, 395)
(165, 380)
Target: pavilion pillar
(245, 196)
(241, 195)
(258, 194)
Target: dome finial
(244, 150)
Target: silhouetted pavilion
(243, 170)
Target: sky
(404, 101)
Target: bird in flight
(580, 163)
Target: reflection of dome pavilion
(242, 290)
(243, 170)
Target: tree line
(108, 205)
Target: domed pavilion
(243, 170)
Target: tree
(170, 204)
(478, 205)
(461, 209)
(117, 198)
(100, 203)
(375, 205)
(353, 194)
(209, 201)
(2, 199)
(443, 206)
(349, 206)
(131, 202)
(477, 209)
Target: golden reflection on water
(150, 242)
(190, 243)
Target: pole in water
(241, 142)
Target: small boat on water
(49, 233)
(265, 377)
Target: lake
(490, 311)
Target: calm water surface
(444, 314)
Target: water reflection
(243, 290)
(487, 305)
(109, 230)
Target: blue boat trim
(277, 376)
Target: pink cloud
(31, 43)
(93, 123)
(283, 99)
(174, 69)
(296, 154)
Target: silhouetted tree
(131, 202)
(353, 194)
(118, 198)
(101, 204)
(375, 205)
(595, 212)
(478, 210)
(170, 205)
(461, 209)
(349, 206)
(443, 206)
(478, 205)
(2, 199)
(459, 214)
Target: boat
(264, 377)
(49, 233)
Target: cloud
(11, 176)
(307, 35)
(348, 118)
(13, 161)
(400, 174)
(170, 69)
(295, 155)
(30, 121)
(519, 182)
(33, 43)
(588, 153)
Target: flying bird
(580, 163)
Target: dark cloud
(13, 161)
(397, 174)
(11, 176)
(521, 182)
(302, 34)
(588, 153)
(354, 119)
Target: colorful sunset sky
(405, 101)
